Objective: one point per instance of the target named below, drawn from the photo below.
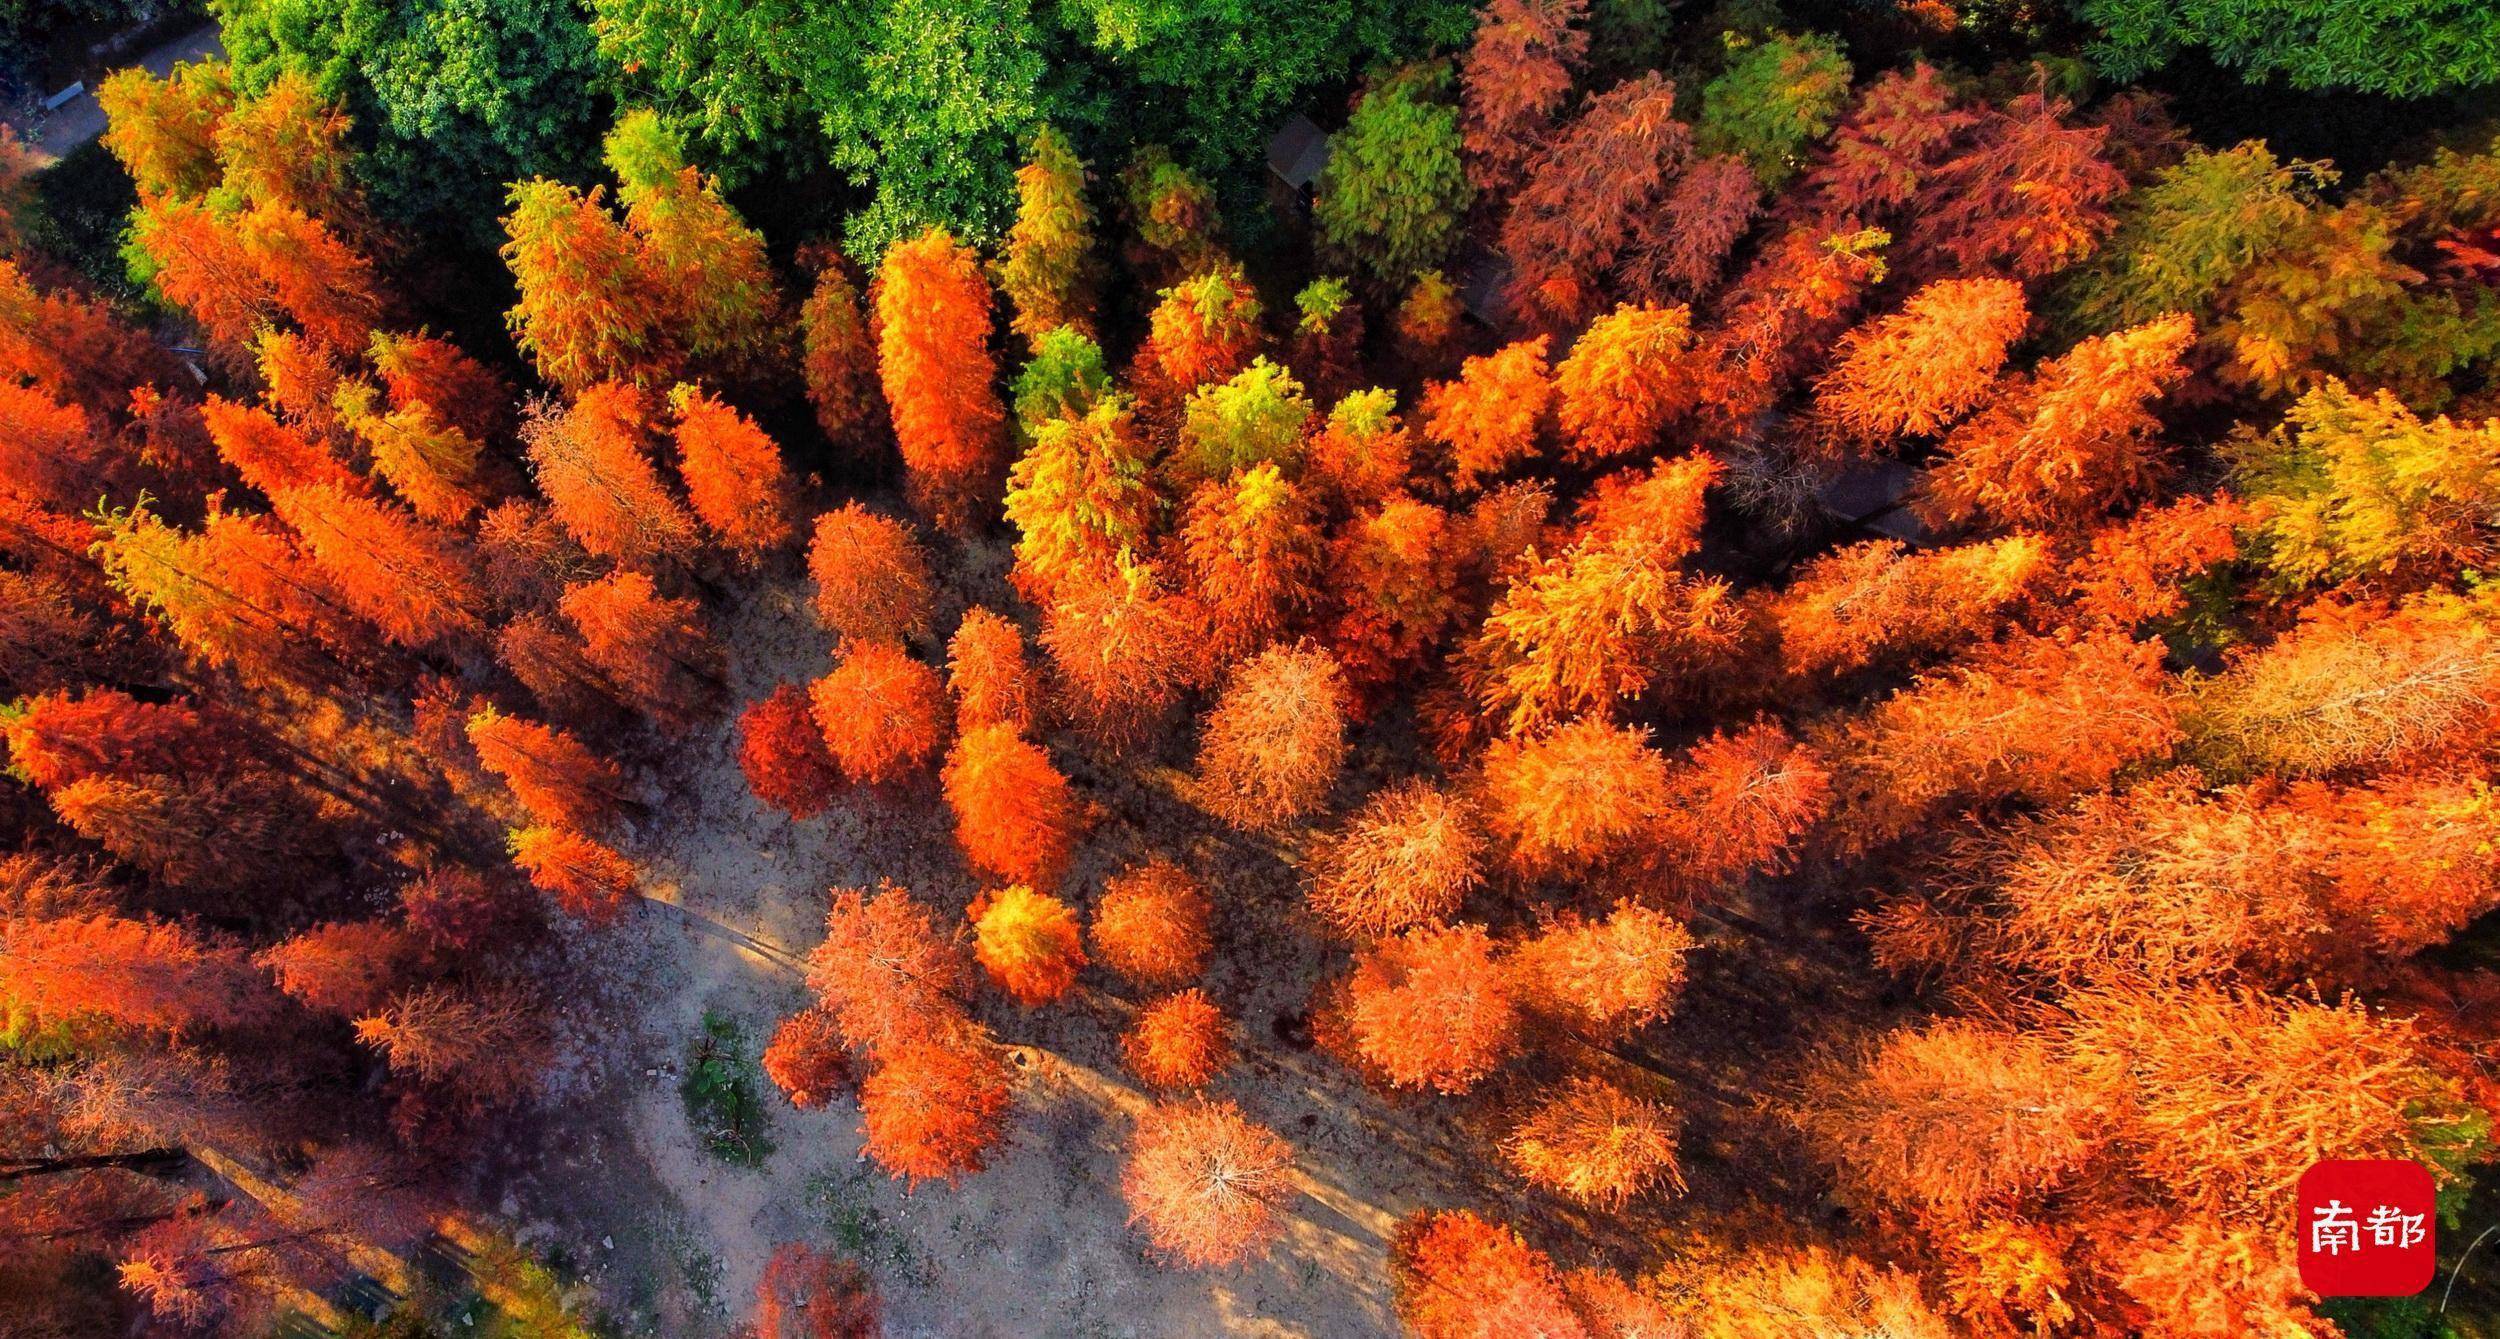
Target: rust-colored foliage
(1203, 1182)
(1408, 857)
(203, 268)
(1569, 223)
(1917, 371)
(271, 456)
(734, 475)
(55, 739)
(348, 968)
(2041, 718)
(805, 1293)
(986, 670)
(932, 1110)
(840, 360)
(1460, 1277)
(2028, 195)
(1568, 801)
(652, 647)
(1514, 78)
(1623, 382)
(1180, 1041)
(1275, 741)
(319, 281)
(1904, 124)
(1611, 615)
(882, 712)
(1778, 316)
(588, 881)
(1015, 815)
(1151, 924)
(485, 1045)
(889, 978)
(1492, 417)
(1362, 454)
(1253, 550)
(1951, 1120)
(554, 775)
(1432, 1008)
(423, 369)
(2061, 447)
(1879, 603)
(1736, 803)
(872, 576)
(2225, 1097)
(1606, 977)
(2360, 686)
(783, 753)
(430, 464)
(2138, 571)
(1123, 647)
(406, 577)
(1202, 331)
(1594, 1143)
(585, 313)
(1394, 572)
(933, 325)
(807, 1060)
(49, 451)
(1777, 1292)
(594, 464)
(1678, 249)
(199, 831)
(1028, 942)
(137, 974)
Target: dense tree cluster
(1490, 562)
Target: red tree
(1015, 814)
(1460, 1277)
(882, 712)
(734, 475)
(933, 323)
(554, 775)
(872, 576)
(932, 1110)
(783, 753)
(1203, 1182)
(1151, 924)
(1513, 78)
(1431, 1008)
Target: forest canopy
(1794, 678)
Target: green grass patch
(720, 1090)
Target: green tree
(2409, 48)
(2201, 224)
(1047, 271)
(459, 96)
(1394, 192)
(1775, 97)
(1256, 418)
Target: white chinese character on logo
(2390, 1228)
(2332, 1230)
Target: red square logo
(2367, 1228)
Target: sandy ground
(1037, 1244)
(674, 1239)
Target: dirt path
(1038, 1243)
